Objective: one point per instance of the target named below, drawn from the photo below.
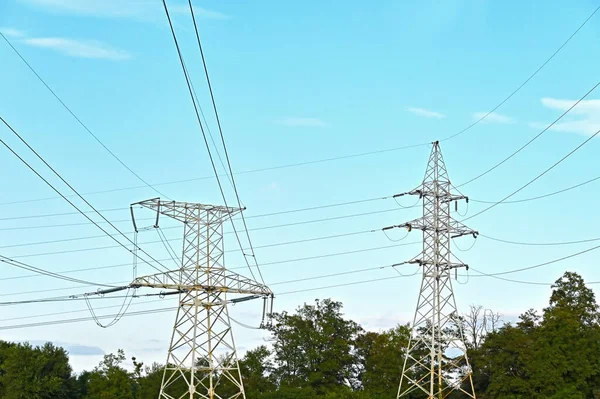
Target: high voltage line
(550, 194)
(154, 311)
(495, 274)
(87, 129)
(531, 140)
(535, 178)
(216, 173)
(327, 276)
(287, 211)
(327, 255)
(76, 192)
(276, 244)
(502, 102)
(303, 222)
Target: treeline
(316, 352)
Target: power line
(188, 82)
(279, 212)
(534, 179)
(72, 189)
(75, 311)
(112, 284)
(79, 120)
(356, 155)
(482, 274)
(544, 263)
(337, 204)
(312, 239)
(279, 262)
(342, 157)
(526, 80)
(532, 139)
(39, 271)
(368, 269)
(539, 196)
(235, 190)
(552, 244)
(288, 211)
(279, 283)
(59, 214)
(208, 129)
(303, 222)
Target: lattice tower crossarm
(436, 362)
(202, 360)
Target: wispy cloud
(425, 113)
(73, 349)
(78, 48)
(302, 122)
(494, 118)
(138, 9)
(583, 119)
(11, 32)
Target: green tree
(382, 357)
(315, 347)
(35, 373)
(256, 369)
(110, 380)
(553, 356)
(569, 342)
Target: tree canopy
(317, 352)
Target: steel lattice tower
(436, 361)
(202, 352)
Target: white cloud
(11, 32)
(493, 118)
(425, 113)
(138, 9)
(583, 119)
(73, 349)
(302, 122)
(78, 48)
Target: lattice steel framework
(202, 355)
(436, 361)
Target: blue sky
(295, 82)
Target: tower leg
(202, 361)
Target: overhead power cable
(526, 80)
(540, 244)
(24, 266)
(539, 196)
(65, 106)
(303, 222)
(235, 189)
(279, 262)
(75, 191)
(113, 284)
(83, 319)
(281, 212)
(277, 244)
(538, 265)
(532, 139)
(169, 309)
(512, 271)
(208, 128)
(76, 311)
(362, 154)
(287, 211)
(481, 274)
(535, 178)
(216, 173)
